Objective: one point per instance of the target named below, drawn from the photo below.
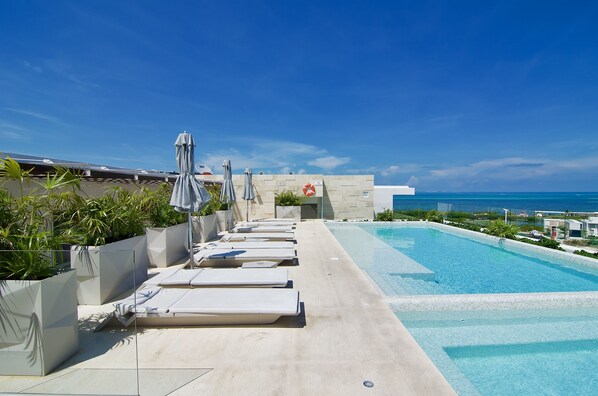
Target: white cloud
(391, 170)
(510, 169)
(270, 155)
(329, 162)
(413, 181)
(301, 171)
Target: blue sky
(440, 95)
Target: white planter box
(39, 327)
(288, 212)
(166, 246)
(205, 228)
(105, 272)
(222, 216)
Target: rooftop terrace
(346, 335)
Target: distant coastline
(515, 201)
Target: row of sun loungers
(254, 294)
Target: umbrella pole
(247, 202)
(190, 238)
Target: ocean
(515, 202)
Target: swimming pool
(426, 260)
(497, 317)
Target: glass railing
(58, 332)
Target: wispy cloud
(330, 162)
(34, 114)
(391, 170)
(510, 169)
(35, 68)
(272, 155)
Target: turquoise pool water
(486, 351)
(547, 352)
(456, 264)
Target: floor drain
(368, 384)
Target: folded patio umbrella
(189, 194)
(227, 194)
(248, 194)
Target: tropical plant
(385, 215)
(156, 204)
(112, 217)
(434, 215)
(287, 198)
(501, 229)
(34, 226)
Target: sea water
(472, 202)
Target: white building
(590, 226)
(574, 228)
(384, 196)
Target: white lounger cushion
(242, 276)
(202, 277)
(160, 303)
(265, 224)
(173, 277)
(242, 301)
(245, 254)
(263, 229)
(259, 236)
(126, 305)
(250, 245)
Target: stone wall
(344, 197)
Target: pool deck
(345, 335)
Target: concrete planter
(39, 327)
(222, 216)
(205, 228)
(288, 212)
(105, 272)
(166, 246)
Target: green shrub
(501, 229)
(386, 215)
(529, 227)
(586, 254)
(435, 216)
(467, 226)
(157, 206)
(544, 242)
(114, 216)
(287, 198)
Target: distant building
(574, 228)
(590, 226)
(384, 196)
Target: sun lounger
(281, 228)
(250, 245)
(212, 277)
(212, 306)
(258, 236)
(270, 220)
(265, 224)
(236, 257)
